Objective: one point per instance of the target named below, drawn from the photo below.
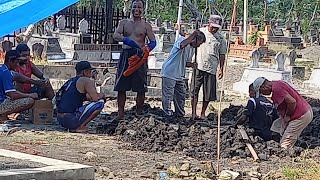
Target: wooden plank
(246, 138)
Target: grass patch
(38, 61)
(306, 170)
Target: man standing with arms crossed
(133, 32)
(210, 54)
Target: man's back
(279, 90)
(174, 67)
(261, 113)
(5, 76)
(70, 98)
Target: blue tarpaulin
(16, 14)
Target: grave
(24, 166)
(296, 71)
(277, 36)
(51, 49)
(254, 71)
(313, 84)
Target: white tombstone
(48, 28)
(61, 22)
(83, 26)
(126, 7)
(255, 56)
(280, 58)
(313, 84)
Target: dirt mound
(312, 101)
(154, 132)
(311, 53)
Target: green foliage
(276, 9)
(254, 38)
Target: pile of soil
(155, 132)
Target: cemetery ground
(144, 147)
(122, 155)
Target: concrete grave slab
(53, 169)
(250, 74)
(313, 84)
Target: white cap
(215, 21)
(257, 84)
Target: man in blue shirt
(11, 100)
(72, 113)
(173, 72)
(261, 113)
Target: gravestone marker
(61, 23)
(6, 45)
(277, 32)
(280, 58)
(255, 57)
(37, 50)
(83, 26)
(48, 28)
(292, 57)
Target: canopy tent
(15, 14)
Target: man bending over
(294, 110)
(173, 72)
(72, 114)
(261, 113)
(11, 100)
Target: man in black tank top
(261, 113)
(72, 113)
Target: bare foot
(81, 130)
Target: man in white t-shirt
(210, 55)
(173, 72)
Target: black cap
(83, 65)
(22, 47)
(12, 55)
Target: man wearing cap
(11, 100)
(261, 113)
(210, 55)
(294, 110)
(25, 70)
(72, 114)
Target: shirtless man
(133, 32)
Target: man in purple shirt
(11, 100)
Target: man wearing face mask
(133, 32)
(210, 55)
(72, 114)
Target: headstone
(48, 28)
(255, 57)
(83, 26)
(280, 58)
(6, 45)
(61, 23)
(313, 84)
(292, 57)
(126, 7)
(37, 50)
(277, 32)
